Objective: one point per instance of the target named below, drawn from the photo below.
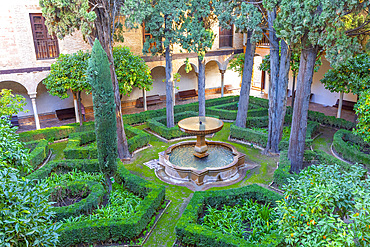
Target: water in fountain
(219, 156)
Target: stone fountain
(201, 162)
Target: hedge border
(74, 150)
(86, 205)
(222, 113)
(126, 228)
(55, 133)
(39, 153)
(347, 151)
(169, 133)
(260, 138)
(282, 174)
(189, 232)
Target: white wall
(187, 81)
(320, 94)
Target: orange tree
(363, 112)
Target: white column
(34, 107)
(144, 100)
(76, 107)
(222, 71)
(339, 114)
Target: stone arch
(226, 62)
(188, 80)
(18, 88)
(214, 60)
(212, 74)
(158, 74)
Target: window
(226, 37)
(147, 35)
(264, 41)
(46, 46)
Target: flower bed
(189, 232)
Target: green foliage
(54, 133)
(248, 220)
(363, 112)
(352, 75)
(10, 104)
(326, 206)
(39, 153)
(237, 63)
(343, 141)
(191, 233)
(92, 231)
(26, 216)
(158, 125)
(122, 204)
(196, 33)
(68, 73)
(318, 24)
(229, 111)
(104, 109)
(131, 70)
(13, 153)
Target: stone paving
(327, 110)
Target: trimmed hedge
(55, 133)
(142, 117)
(282, 174)
(136, 139)
(86, 205)
(191, 233)
(260, 138)
(346, 150)
(39, 151)
(230, 110)
(159, 125)
(330, 121)
(63, 166)
(92, 231)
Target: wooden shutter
(226, 37)
(146, 36)
(46, 46)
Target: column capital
(222, 71)
(32, 95)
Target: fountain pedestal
(201, 147)
(201, 126)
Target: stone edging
(175, 139)
(336, 155)
(245, 143)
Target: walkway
(327, 110)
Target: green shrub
(158, 125)
(229, 111)
(25, 213)
(12, 152)
(74, 150)
(55, 133)
(64, 166)
(91, 231)
(95, 192)
(324, 206)
(260, 138)
(342, 144)
(191, 233)
(39, 153)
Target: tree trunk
(241, 116)
(79, 107)
(278, 90)
(202, 87)
(169, 90)
(75, 104)
(293, 93)
(300, 112)
(103, 25)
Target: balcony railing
(47, 49)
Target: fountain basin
(201, 171)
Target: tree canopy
(68, 73)
(10, 104)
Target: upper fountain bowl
(200, 125)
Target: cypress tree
(99, 78)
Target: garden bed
(229, 111)
(77, 148)
(190, 232)
(259, 136)
(351, 147)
